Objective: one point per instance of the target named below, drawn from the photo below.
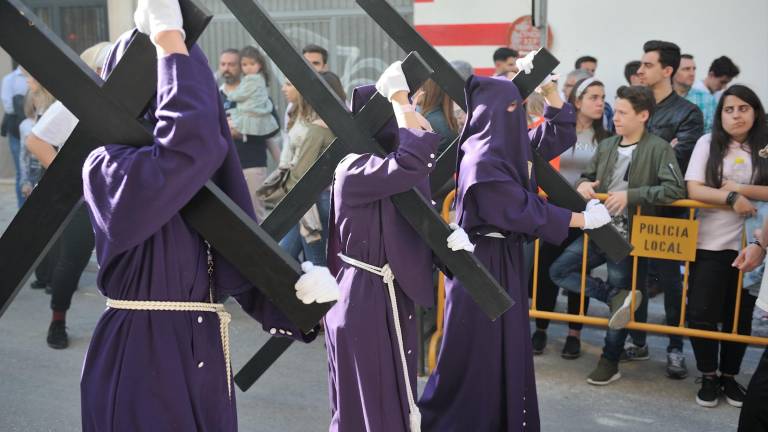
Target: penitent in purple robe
(164, 370)
(484, 379)
(366, 384)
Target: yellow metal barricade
(680, 329)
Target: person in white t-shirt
(70, 254)
(725, 169)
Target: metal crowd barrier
(730, 336)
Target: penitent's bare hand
(749, 258)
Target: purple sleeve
(272, 320)
(557, 133)
(371, 178)
(132, 192)
(511, 208)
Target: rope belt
(224, 319)
(385, 272)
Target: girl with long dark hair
(725, 168)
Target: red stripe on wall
(465, 34)
(485, 71)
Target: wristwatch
(758, 244)
(731, 199)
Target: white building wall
(615, 30)
(706, 29)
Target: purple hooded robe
(164, 370)
(484, 379)
(366, 385)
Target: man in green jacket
(635, 168)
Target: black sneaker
(733, 391)
(36, 284)
(709, 394)
(57, 335)
(572, 348)
(539, 341)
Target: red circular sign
(524, 37)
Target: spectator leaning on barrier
(725, 168)
(634, 168)
(574, 77)
(589, 100)
(680, 123)
(683, 82)
(676, 120)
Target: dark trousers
(65, 261)
(615, 339)
(711, 300)
(44, 270)
(546, 295)
(754, 413)
(668, 274)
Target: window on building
(80, 23)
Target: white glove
(155, 16)
(595, 215)
(316, 285)
(392, 81)
(525, 64)
(592, 203)
(459, 240)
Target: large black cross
(108, 113)
(559, 190)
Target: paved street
(39, 387)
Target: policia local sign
(666, 238)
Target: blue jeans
(315, 252)
(15, 145)
(565, 272)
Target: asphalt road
(39, 387)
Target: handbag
(273, 189)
